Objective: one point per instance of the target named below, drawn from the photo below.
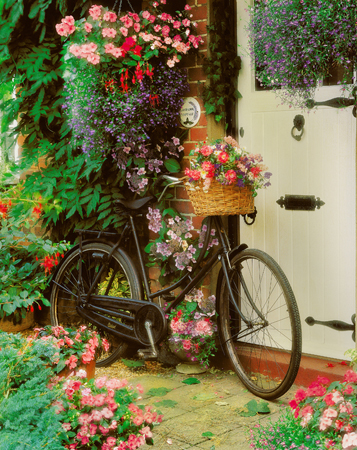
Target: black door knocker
(299, 123)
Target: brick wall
(206, 129)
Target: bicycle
(258, 319)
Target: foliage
(73, 346)
(26, 259)
(227, 163)
(294, 44)
(102, 413)
(324, 417)
(223, 65)
(83, 188)
(175, 248)
(24, 396)
(192, 327)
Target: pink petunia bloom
(165, 30)
(146, 432)
(140, 388)
(350, 376)
(66, 426)
(111, 441)
(103, 430)
(176, 24)
(92, 429)
(186, 22)
(187, 7)
(136, 27)
(124, 31)
(84, 419)
(138, 420)
(100, 382)
(157, 28)
(203, 327)
(146, 15)
(231, 176)
(206, 150)
(96, 416)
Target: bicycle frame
(194, 277)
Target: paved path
(212, 405)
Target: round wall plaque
(190, 112)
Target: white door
(316, 249)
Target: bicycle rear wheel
(266, 351)
(118, 279)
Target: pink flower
(231, 176)
(104, 430)
(110, 16)
(300, 395)
(140, 388)
(138, 420)
(349, 441)
(124, 31)
(223, 157)
(100, 382)
(186, 22)
(137, 27)
(146, 15)
(187, 7)
(157, 28)
(88, 27)
(66, 27)
(84, 419)
(72, 362)
(92, 429)
(350, 376)
(96, 415)
(66, 426)
(206, 150)
(186, 344)
(255, 171)
(111, 441)
(194, 174)
(107, 413)
(94, 11)
(109, 32)
(146, 432)
(203, 327)
(165, 30)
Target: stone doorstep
(310, 368)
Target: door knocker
(299, 123)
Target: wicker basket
(220, 200)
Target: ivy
(223, 65)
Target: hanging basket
(220, 200)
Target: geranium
(193, 328)
(326, 420)
(104, 415)
(229, 164)
(75, 346)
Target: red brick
(203, 120)
(188, 147)
(181, 193)
(198, 134)
(197, 222)
(193, 90)
(154, 273)
(183, 207)
(196, 73)
(199, 13)
(189, 60)
(201, 29)
(191, 2)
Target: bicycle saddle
(134, 204)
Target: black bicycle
(259, 329)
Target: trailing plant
(192, 327)
(223, 65)
(26, 260)
(295, 44)
(175, 248)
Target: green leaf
(207, 434)
(158, 392)
(167, 403)
(130, 363)
(191, 380)
(172, 165)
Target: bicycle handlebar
(173, 181)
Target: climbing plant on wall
(223, 65)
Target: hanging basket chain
(120, 5)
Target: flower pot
(187, 366)
(11, 324)
(89, 368)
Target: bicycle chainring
(153, 313)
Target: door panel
(316, 249)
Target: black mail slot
(300, 202)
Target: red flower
(255, 171)
(37, 211)
(223, 157)
(48, 263)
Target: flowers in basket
(228, 164)
(102, 414)
(176, 248)
(323, 416)
(75, 346)
(192, 326)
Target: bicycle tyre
(266, 357)
(126, 283)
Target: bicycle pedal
(147, 354)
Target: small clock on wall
(190, 112)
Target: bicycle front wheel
(117, 280)
(264, 341)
